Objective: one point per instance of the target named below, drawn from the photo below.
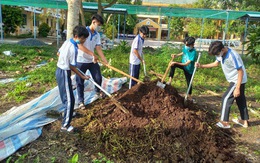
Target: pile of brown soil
(158, 128)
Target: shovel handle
(168, 68)
(108, 94)
(121, 72)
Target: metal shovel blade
(160, 84)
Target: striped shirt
(231, 64)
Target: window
(24, 19)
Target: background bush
(44, 29)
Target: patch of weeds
(53, 159)
(257, 152)
(101, 159)
(19, 92)
(19, 160)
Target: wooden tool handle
(121, 72)
(166, 72)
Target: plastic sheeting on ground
(22, 125)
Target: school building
(157, 24)
(33, 17)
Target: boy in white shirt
(136, 54)
(67, 62)
(235, 73)
(87, 60)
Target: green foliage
(12, 18)
(195, 27)
(41, 78)
(74, 159)
(176, 27)
(253, 47)
(123, 46)
(44, 29)
(101, 159)
(109, 31)
(21, 159)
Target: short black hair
(80, 31)
(189, 41)
(98, 18)
(185, 38)
(144, 29)
(215, 47)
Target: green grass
(23, 65)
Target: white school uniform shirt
(68, 53)
(91, 42)
(231, 64)
(137, 44)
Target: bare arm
(213, 64)
(182, 64)
(74, 69)
(101, 54)
(138, 55)
(177, 55)
(87, 52)
(236, 92)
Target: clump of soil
(158, 128)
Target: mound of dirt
(158, 128)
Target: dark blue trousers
(66, 94)
(95, 73)
(134, 71)
(228, 99)
(187, 75)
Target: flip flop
(237, 122)
(219, 124)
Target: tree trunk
(109, 17)
(101, 8)
(73, 16)
(82, 14)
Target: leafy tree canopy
(12, 18)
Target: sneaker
(82, 106)
(168, 83)
(67, 129)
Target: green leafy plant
(123, 47)
(74, 159)
(254, 43)
(44, 29)
(109, 31)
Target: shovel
(193, 74)
(146, 78)
(109, 95)
(121, 72)
(161, 84)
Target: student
(67, 62)
(189, 55)
(235, 73)
(136, 54)
(87, 60)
